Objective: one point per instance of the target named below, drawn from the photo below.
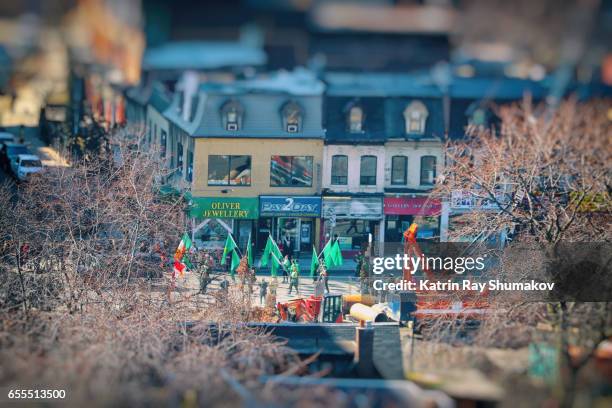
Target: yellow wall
(260, 151)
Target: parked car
(24, 165)
(6, 137)
(9, 151)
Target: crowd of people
(203, 263)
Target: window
(229, 170)
(154, 134)
(162, 147)
(292, 117)
(368, 171)
(415, 116)
(339, 169)
(428, 170)
(179, 155)
(189, 175)
(399, 170)
(231, 115)
(355, 119)
(479, 118)
(294, 171)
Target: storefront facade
(463, 202)
(293, 221)
(212, 218)
(354, 219)
(401, 211)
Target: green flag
(266, 253)
(230, 245)
(314, 263)
(271, 248)
(235, 263)
(187, 262)
(276, 250)
(328, 255)
(337, 254)
(249, 252)
(274, 265)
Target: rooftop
(381, 84)
(203, 55)
(423, 85)
(299, 82)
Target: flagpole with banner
(249, 252)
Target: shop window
(162, 147)
(368, 171)
(428, 170)
(353, 234)
(355, 119)
(189, 175)
(399, 170)
(179, 155)
(294, 171)
(212, 235)
(415, 116)
(225, 170)
(292, 117)
(339, 169)
(232, 113)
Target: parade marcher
(263, 290)
(294, 277)
(205, 280)
(324, 278)
(286, 268)
(359, 259)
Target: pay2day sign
(294, 206)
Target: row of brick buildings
(303, 155)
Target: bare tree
(547, 174)
(82, 294)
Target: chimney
(364, 350)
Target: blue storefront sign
(293, 206)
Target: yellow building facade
(254, 203)
(261, 152)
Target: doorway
(287, 234)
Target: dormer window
(415, 116)
(355, 119)
(292, 117)
(478, 115)
(231, 114)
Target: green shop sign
(226, 207)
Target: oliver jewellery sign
(293, 206)
(226, 207)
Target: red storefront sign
(412, 206)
